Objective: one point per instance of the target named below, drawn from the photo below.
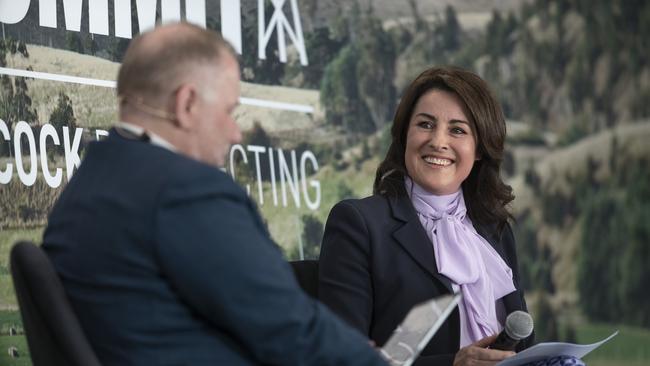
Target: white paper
(420, 324)
(543, 351)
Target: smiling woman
(436, 224)
(440, 143)
(484, 120)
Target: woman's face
(440, 143)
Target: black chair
(306, 272)
(54, 335)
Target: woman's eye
(425, 124)
(458, 130)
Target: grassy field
(7, 239)
(12, 318)
(628, 348)
(95, 106)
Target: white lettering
(272, 169)
(122, 18)
(98, 16)
(13, 11)
(289, 173)
(280, 23)
(47, 13)
(231, 23)
(28, 179)
(232, 163)
(311, 189)
(52, 181)
(5, 176)
(257, 150)
(195, 11)
(146, 14)
(171, 11)
(292, 180)
(308, 155)
(72, 14)
(72, 159)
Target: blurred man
(164, 258)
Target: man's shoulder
(155, 167)
(157, 157)
(189, 177)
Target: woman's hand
(478, 354)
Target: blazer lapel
(412, 237)
(489, 234)
(512, 301)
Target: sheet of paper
(420, 324)
(543, 351)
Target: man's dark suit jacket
(167, 262)
(377, 262)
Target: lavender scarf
(464, 257)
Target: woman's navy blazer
(377, 262)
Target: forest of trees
(613, 268)
(15, 101)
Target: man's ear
(184, 105)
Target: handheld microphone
(519, 325)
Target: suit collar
(412, 237)
(132, 131)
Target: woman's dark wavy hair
(486, 195)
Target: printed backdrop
(321, 82)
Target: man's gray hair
(153, 67)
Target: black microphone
(519, 325)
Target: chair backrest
(306, 272)
(54, 335)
